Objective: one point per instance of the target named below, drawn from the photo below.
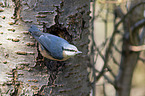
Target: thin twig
(92, 53)
(106, 21)
(130, 11)
(112, 2)
(104, 92)
(114, 60)
(142, 59)
(111, 72)
(107, 78)
(116, 49)
(138, 25)
(108, 50)
(99, 52)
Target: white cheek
(69, 54)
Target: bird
(53, 47)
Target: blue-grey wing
(52, 45)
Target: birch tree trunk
(20, 72)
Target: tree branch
(138, 25)
(131, 10)
(137, 48)
(108, 50)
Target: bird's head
(70, 50)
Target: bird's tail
(36, 33)
(34, 28)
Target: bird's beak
(78, 52)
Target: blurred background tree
(117, 48)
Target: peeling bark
(22, 72)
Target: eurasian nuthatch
(53, 47)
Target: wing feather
(52, 45)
